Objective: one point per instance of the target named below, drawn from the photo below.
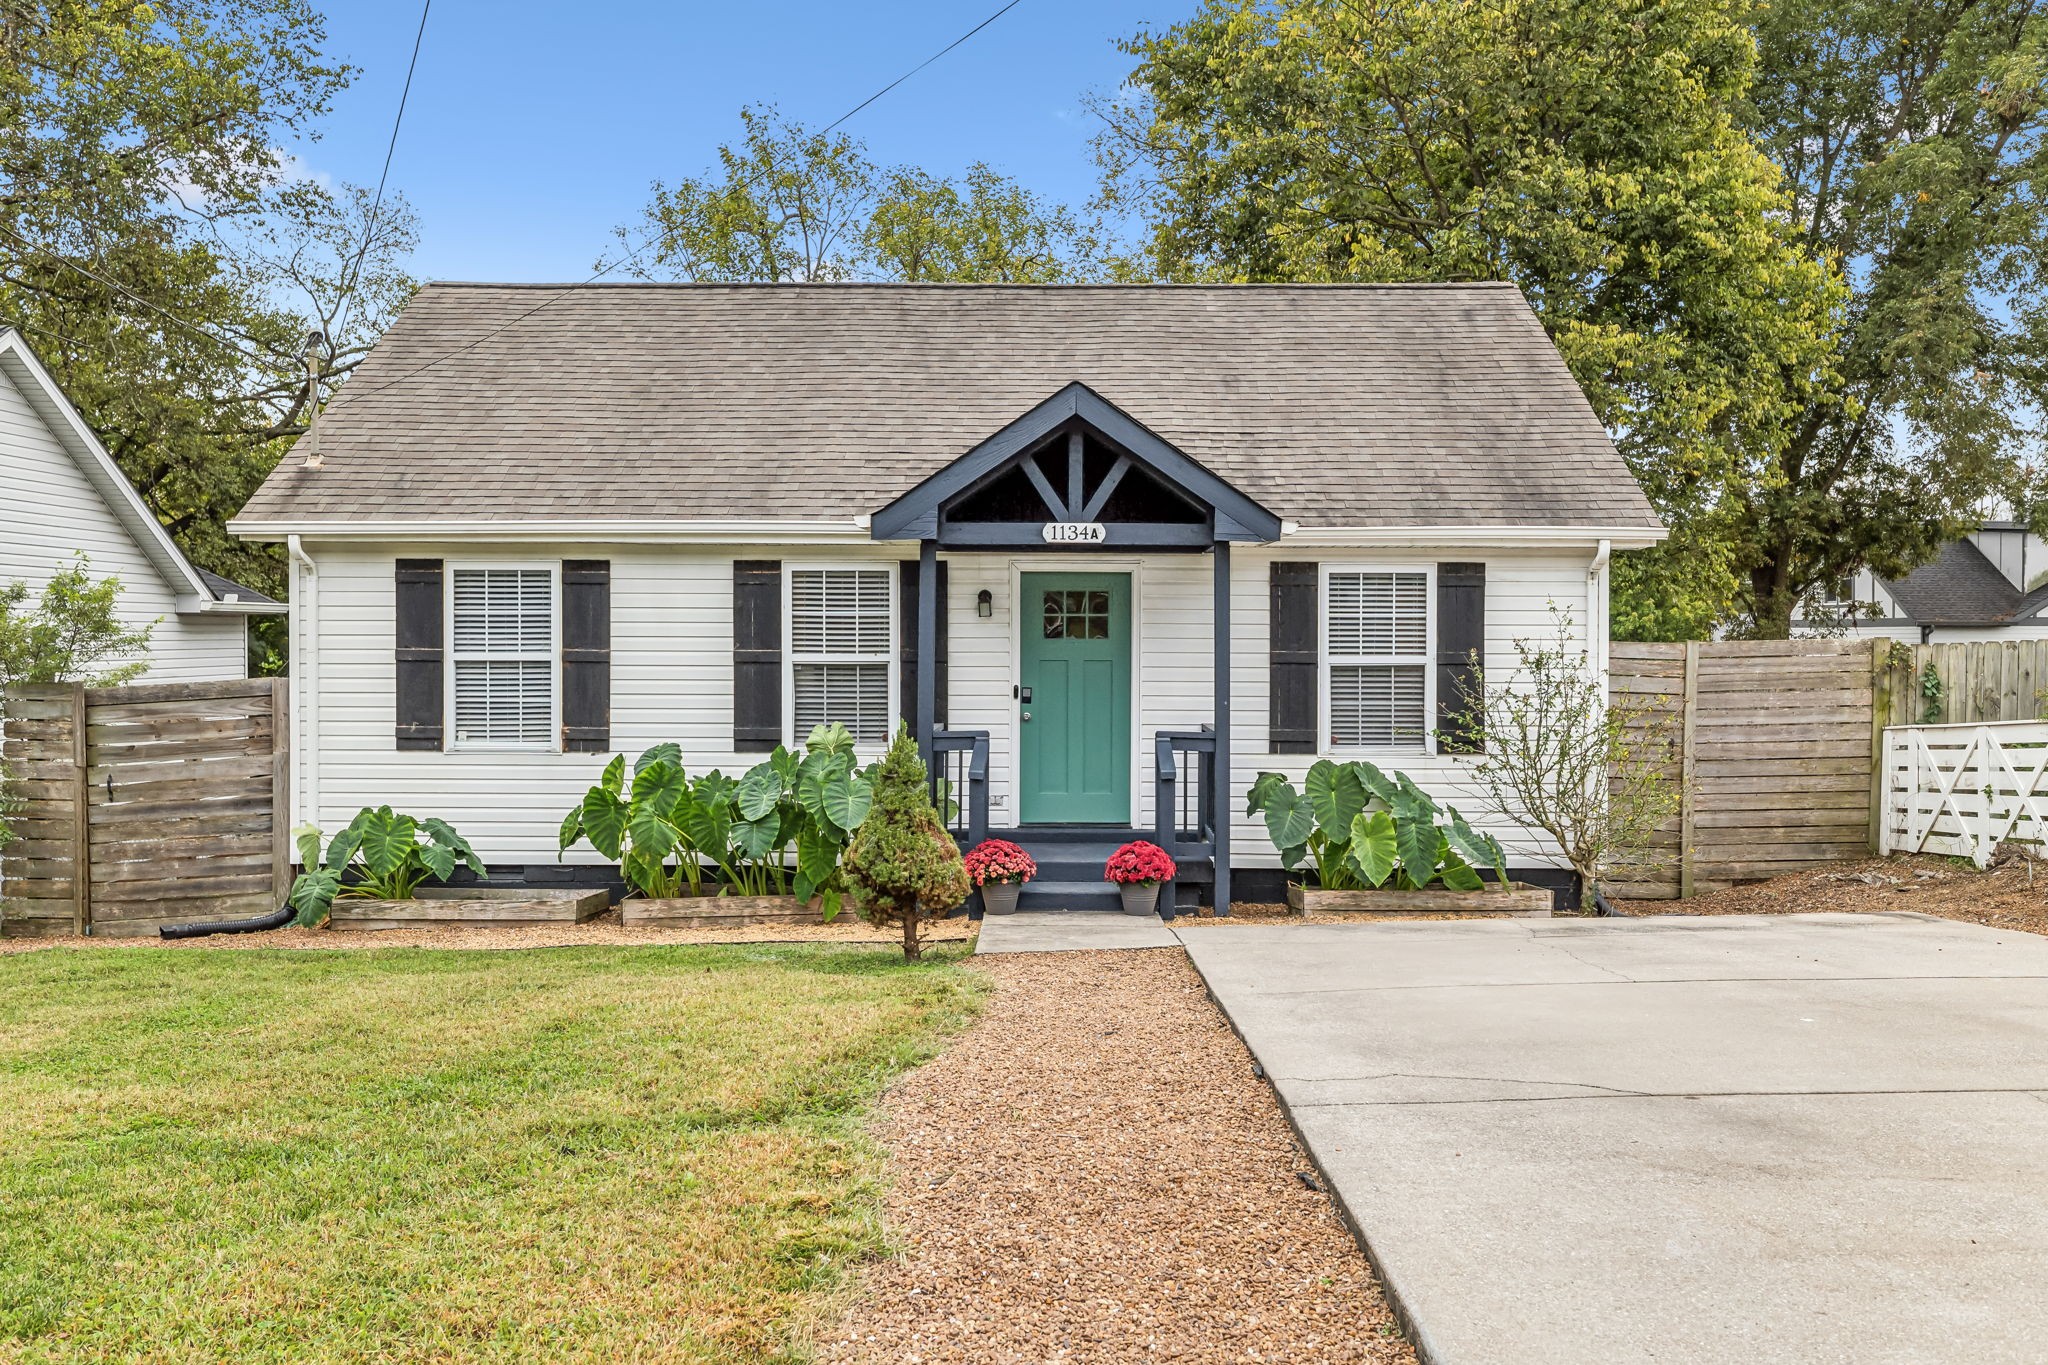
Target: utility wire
(354, 275)
(634, 254)
(127, 293)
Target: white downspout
(305, 719)
(1597, 629)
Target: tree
(164, 255)
(902, 865)
(1560, 756)
(1590, 154)
(1912, 139)
(70, 634)
(789, 206)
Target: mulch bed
(603, 931)
(2011, 894)
(1093, 1174)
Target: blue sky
(534, 129)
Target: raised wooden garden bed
(471, 906)
(1516, 898)
(721, 912)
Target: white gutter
(665, 531)
(303, 636)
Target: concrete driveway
(1810, 1138)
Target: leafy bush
(997, 862)
(389, 854)
(665, 826)
(903, 866)
(1361, 828)
(1141, 863)
(71, 634)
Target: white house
(61, 495)
(1059, 529)
(1990, 585)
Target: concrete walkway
(1812, 1138)
(1071, 931)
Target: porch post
(1219, 799)
(927, 647)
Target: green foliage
(1932, 694)
(1360, 827)
(142, 144)
(663, 827)
(1911, 139)
(387, 854)
(791, 206)
(1588, 153)
(903, 866)
(72, 633)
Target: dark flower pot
(1000, 898)
(1140, 898)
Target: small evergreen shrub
(903, 867)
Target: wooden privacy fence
(1965, 789)
(142, 806)
(1776, 743)
(1997, 680)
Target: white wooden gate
(1965, 789)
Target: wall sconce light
(984, 604)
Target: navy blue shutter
(1460, 648)
(420, 640)
(756, 654)
(586, 656)
(1293, 665)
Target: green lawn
(567, 1154)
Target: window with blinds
(502, 653)
(842, 634)
(1377, 643)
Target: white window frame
(454, 743)
(893, 661)
(1325, 660)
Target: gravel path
(1093, 1174)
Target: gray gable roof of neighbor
(1332, 405)
(1961, 587)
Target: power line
(355, 273)
(634, 254)
(919, 67)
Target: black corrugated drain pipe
(255, 924)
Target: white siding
(49, 512)
(672, 676)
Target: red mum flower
(997, 861)
(1139, 862)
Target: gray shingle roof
(223, 588)
(1961, 587)
(1354, 406)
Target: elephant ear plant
(1361, 828)
(388, 853)
(663, 827)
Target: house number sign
(1073, 533)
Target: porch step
(1076, 853)
(1048, 894)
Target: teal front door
(1074, 699)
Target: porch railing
(959, 778)
(1183, 815)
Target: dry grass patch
(2011, 894)
(1093, 1174)
(573, 1155)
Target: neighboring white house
(62, 495)
(1990, 585)
(551, 524)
